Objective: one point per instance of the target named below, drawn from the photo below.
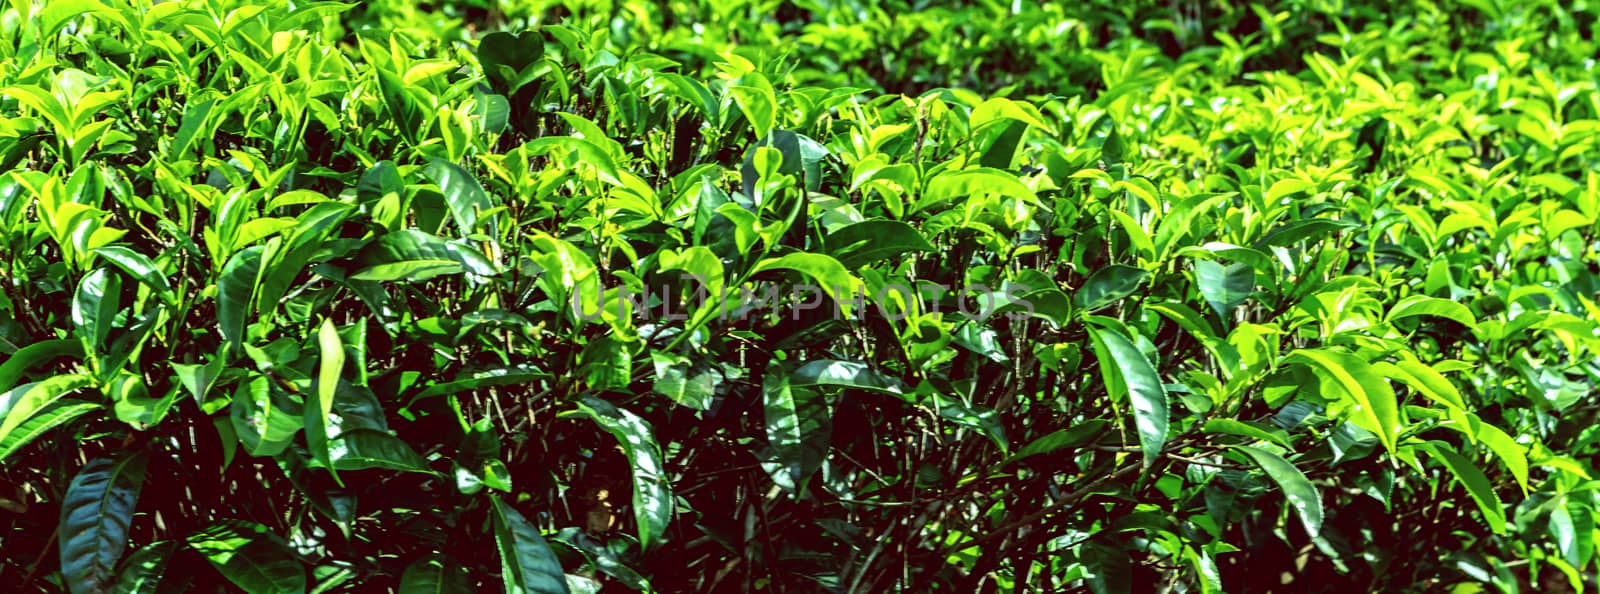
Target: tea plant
(854, 296)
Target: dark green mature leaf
(288, 258)
(847, 374)
(435, 574)
(802, 157)
(984, 421)
(870, 241)
(138, 266)
(95, 516)
(143, 569)
(980, 340)
(236, 288)
(652, 494)
(1299, 490)
(1060, 439)
(264, 417)
(411, 255)
(1111, 570)
(1472, 478)
(369, 448)
(95, 305)
(1108, 285)
(1224, 287)
(404, 106)
(463, 194)
(606, 363)
(1128, 373)
(686, 383)
(799, 428)
(250, 556)
(527, 564)
(504, 56)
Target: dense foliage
(787, 296)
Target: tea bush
(799, 295)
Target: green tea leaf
(236, 288)
(1128, 373)
(1224, 287)
(250, 556)
(1376, 408)
(1423, 305)
(1468, 475)
(1109, 285)
(870, 241)
(652, 494)
(464, 196)
(1300, 492)
(434, 574)
(95, 517)
(527, 564)
(799, 428)
(143, 569)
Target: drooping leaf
(317, 420)
(799, 428)
(95, 516)
(652, 494)
(1469, 476)
(1128, 373)
(1511, 453)
(1296, 487)
(527, 564)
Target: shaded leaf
(95, 516)
(527, 564)
(1299, 491)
